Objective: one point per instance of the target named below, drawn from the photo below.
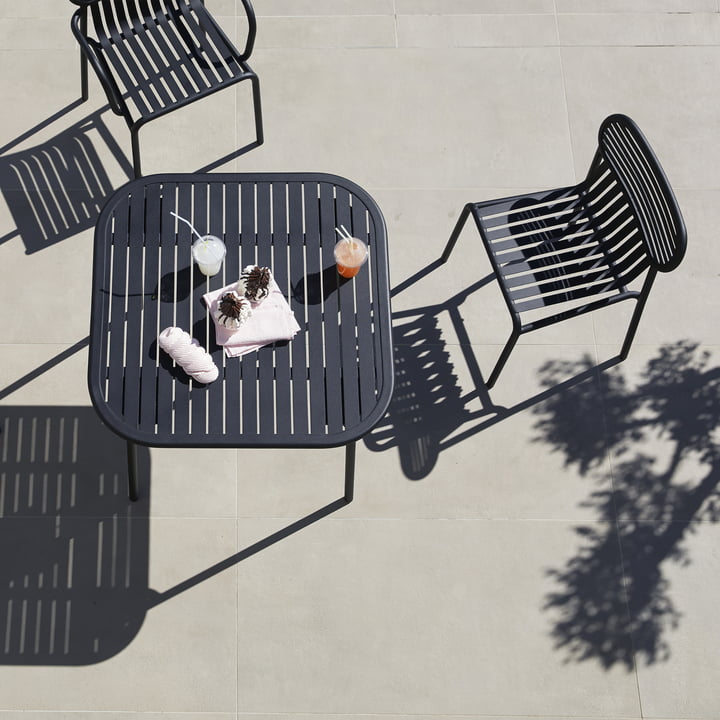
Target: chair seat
(170, 59)
(545, 250)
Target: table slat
(248, 362)
(315, 319)
(298, 348)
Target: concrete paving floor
(548, 549)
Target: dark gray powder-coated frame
(580, 247)
(154, 56)
(327, 387)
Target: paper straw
(187, 222)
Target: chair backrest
(633, 201)
(111, 16)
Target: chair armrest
(252, 30)
(203, 13)
(90, 48)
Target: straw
(343, 233)
(187, 222)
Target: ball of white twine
(188, 354)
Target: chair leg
(635, 319)
(504, 355)
(132, 470)
(456, 232)
(349, 471)
(85, 93)
(258, 110)
(136, 151)
(84, 90)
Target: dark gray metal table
(327, 387)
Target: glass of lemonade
(209, 253)
(350, 255)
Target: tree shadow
(56, 189)
(612, 600)
(660, 435)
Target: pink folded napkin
(272, 320)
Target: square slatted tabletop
(327, 387)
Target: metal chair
(576, 249)
(153, 56)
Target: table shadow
(74, 566)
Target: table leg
(349, 471)
(132, 470)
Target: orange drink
(350, 256)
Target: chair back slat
(625, 157)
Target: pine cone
(254, 282)
(232, 310)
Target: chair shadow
(74, 567)
(428, 404)
(56, 189)
(429, 411)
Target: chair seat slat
(556, 241)
(167, 68)
(172, 46)
(116, 43)
(570, 295)
(209, 41)
(527, 273)
(552, 283)
(490, 208)
(154, 79)
(115, 56)
(556, 212)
